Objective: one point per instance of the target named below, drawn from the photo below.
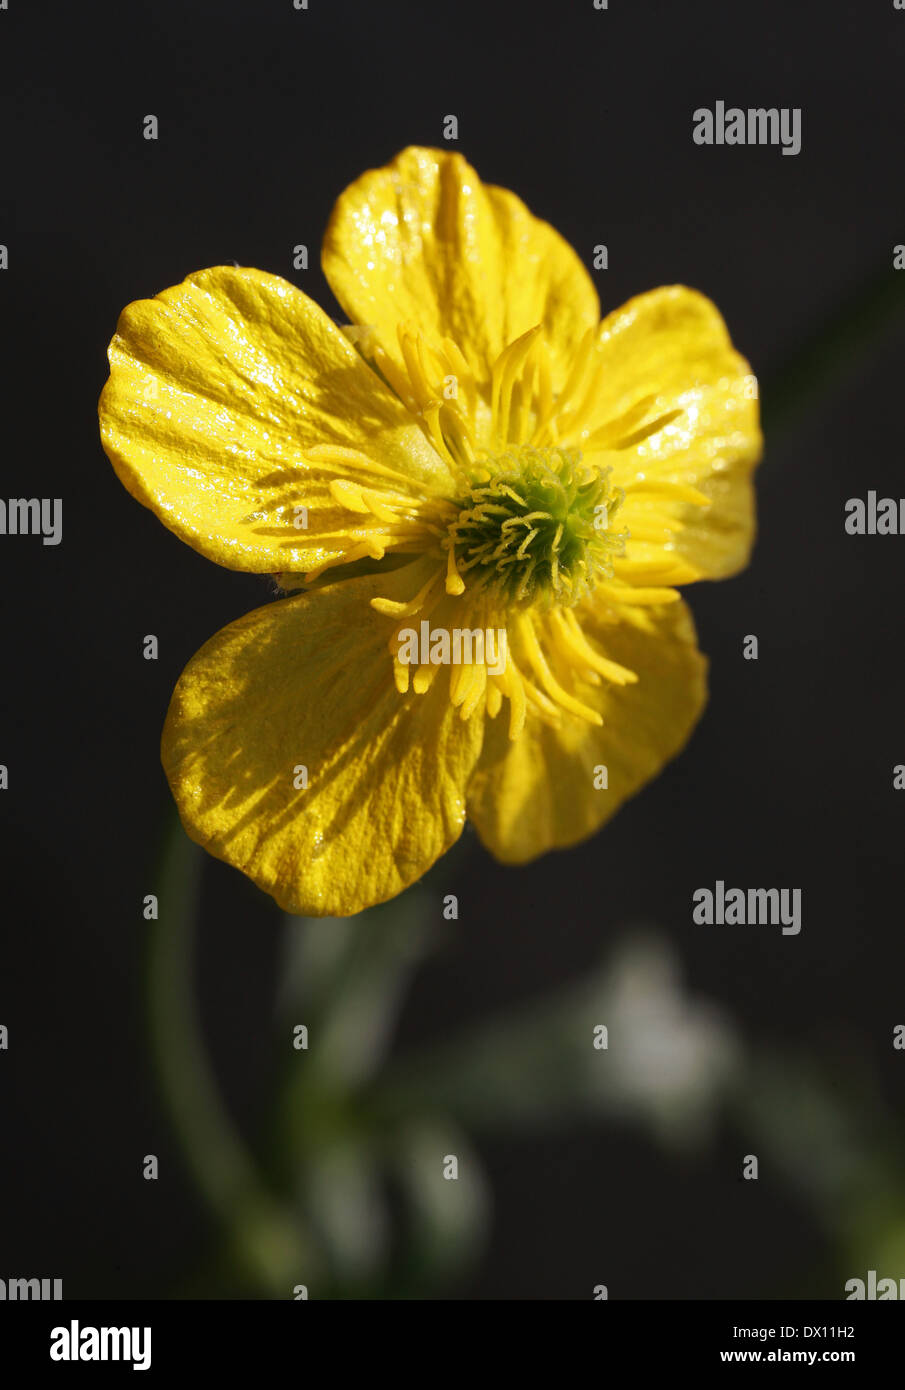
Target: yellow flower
(477, 452)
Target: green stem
(264, 1237)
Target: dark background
(265, 115)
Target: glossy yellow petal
(307, 683)
(673, 411)
(538, 792)
(218, 389)
(424, 242)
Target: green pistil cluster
(540, 528)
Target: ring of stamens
(527, 529)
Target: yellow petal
(423, 241)
(665, 352)
(308, 682)
(217, 389)
(537, 792)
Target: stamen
(518, 708)
(567, 628)
(393, 609)
(455, 584)
(475, 691)
(460, 683)
(396, 379)
(503, 375)
(410, 346)
(638, 436)
(348, 495)
(372, 548)
(546, 677)
(338, 457)
(431, 416)
(424, 679)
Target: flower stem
(264, 1237)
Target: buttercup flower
(476, 454)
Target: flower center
(537, 525)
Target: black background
(265, 115)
